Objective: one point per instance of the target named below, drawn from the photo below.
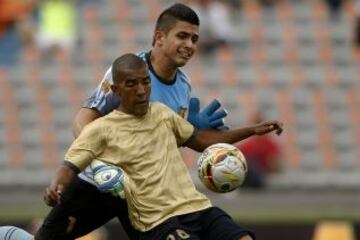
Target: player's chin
(182, 62)
(141, 110)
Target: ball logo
(222, 167)
(108, 175)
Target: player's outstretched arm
(63, 177)
(83, 117)
(204, 138)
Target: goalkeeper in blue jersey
(87, 205)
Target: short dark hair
(128, 61)
(176, 12)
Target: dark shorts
(210, 224)
(83, 209)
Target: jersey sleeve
(88, 146)
(182, 129)
(187, 81)
(102, 98)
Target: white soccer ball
(222, 167)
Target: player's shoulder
(107, 80)
(102, 126)
(159, 108)
(95, 127)
(182, 76)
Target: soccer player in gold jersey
(143, 139)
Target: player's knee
(246, 237)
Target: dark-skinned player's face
(180, 42)
(134, 90)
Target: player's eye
(182, 36)
(195, 39)
(130, 83)
(147, 81)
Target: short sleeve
(88, 146)
(102, 98)
(182, 129)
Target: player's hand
(53, 194)
(211, 117)
(268, 126)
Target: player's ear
(159, 38)
(115, 89)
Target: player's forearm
(204, 138)
(64, 175)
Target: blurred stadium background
(294, 60)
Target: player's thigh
(123, 216)
(218, 225)
(82, 210)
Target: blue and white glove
(209, 118)
(11, 233)
(108, 178)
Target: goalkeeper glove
(108, 178)
(209, 118)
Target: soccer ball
(222, 167)
(108, 178)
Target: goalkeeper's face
(180, 43)
(134, 90)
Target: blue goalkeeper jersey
(175, 95)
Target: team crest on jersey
(182, 112)
(105, 86)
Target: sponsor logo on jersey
(182, 112)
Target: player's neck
(162, 67)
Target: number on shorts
(71, 224)
(181, 234)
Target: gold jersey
(157, 182)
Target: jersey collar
(162, 80)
